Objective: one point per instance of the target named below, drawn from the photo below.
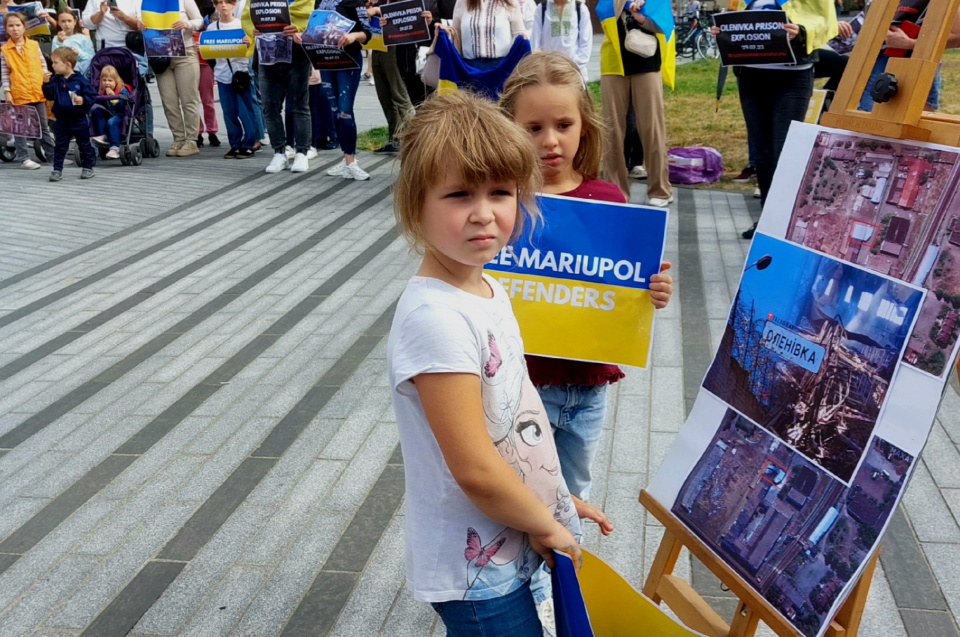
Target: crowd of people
(482, 519)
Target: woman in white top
(564, 26)
(487, 29)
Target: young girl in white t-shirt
(486, 500)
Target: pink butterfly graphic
(492, 365)
(475, 550)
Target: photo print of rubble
(810, 348)
(795, 534)
(893, 208)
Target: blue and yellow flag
(455, 72)
(660, 12)
(160, 14)
(818, 18)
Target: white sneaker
(68, 162)
(113, 153)
(300, 164)
(312, 153)
(100, 139)
(661, 203)
(29, 164)
(353, 171)
(638, 172)
(547, 618)
(337, 171)
(290, 152)
(371, 81)
(756, 193)
(278, 163)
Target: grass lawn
(694, 120)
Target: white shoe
(661, 203)
(278, 163)
(547, 617)
(337, 171)
(290, 152)
(353, 171)
(371, 81)
(68, 162)
(29, 164)
(300, 164)
(100, 139)
(756, 193)
(638, 172)
(312, 153)
(113, 153)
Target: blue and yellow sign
(580, 286)
(224, 44)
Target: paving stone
(927, 509)
(228, 603)
(942, 459)
(31, 609)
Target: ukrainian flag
(818, 18)
(160, 14)
(660, 12)
(456, 72)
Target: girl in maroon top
(546, 95)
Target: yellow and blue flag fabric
(818, 18)
(455, 72)
(375, 43)
(660, 12)
(580, 286)
(159, 14)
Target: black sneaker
(244, 153)
(214, 140)
(389, 147)
(746, 175)
(232, 153)
(56, 176)
(200, 140)
(748, 234)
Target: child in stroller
(134, 141)
(106, 121)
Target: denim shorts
(513, 614)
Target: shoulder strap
(578, 4)
(543, 11)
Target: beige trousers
(180, 93)
(645, 90)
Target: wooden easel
(902, 117)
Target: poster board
(580, 284)
(269, 16)
(229, 43)
(19, 120)
(35, 15)
(790, 480)
(320, 41)
(753, 37)
(164, 43)
(404, 23)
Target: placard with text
(753, 37)
(403, 23)
(269, 16)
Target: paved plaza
(196, 435)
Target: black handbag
(241, 80)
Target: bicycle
(693, 39)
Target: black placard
(753, 37)
(269, 16)
(404, 24)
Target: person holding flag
(630, 77)
(179, 84)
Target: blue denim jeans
(577, 413)
(106, 123)
(513, 614)
(866, 101)
(238, 115)
(341, 90)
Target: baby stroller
(135, 142)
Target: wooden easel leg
(745, 622)
(663, 564)
(847, 621)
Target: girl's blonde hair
(556, 69)
(469, 134)
(111, 72)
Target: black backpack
(543, 12)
